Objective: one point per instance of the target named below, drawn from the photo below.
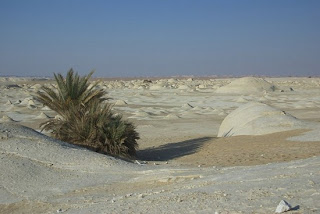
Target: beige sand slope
(42, 175)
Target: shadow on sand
(172, 150)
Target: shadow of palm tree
(172, 150)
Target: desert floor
(182, 166)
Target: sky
(154, 38)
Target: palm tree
(70, 91)
(85, 120)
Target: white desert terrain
(237, 145)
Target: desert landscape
(207, 145)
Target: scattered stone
(141, 196)
(8, 102)
(58, 117)
(31, 107)
(147, 81)
(187, 106)
(283, 207)
(6, 118)
(140, 163)
(129, 195)
(241, 100)
(202, 86)
(46, 108)
(17, 102)
(183, 87)
(121, 103)
(31, 102)
(25, 102)
(172, 80)
(172, 116)
(42, 116)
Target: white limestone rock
(258, 119)
(172, 116)
(283, 207)
(32, 107)
(190, 79)
(46, 108)
(121, 103)
(9, 103)
(6, 118)
(247, 85)
(42, 115)
(183, 87)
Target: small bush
(84, 118)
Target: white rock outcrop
(247, 85)
(257, 119)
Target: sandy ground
(186, 168)
(251, 150)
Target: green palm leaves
(84, 118)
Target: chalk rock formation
(257, 119)
(247, 85)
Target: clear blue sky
(131, 38)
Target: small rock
(190, 79)
(6, 118)
(140, 163)
(141, 196)
(8, 102)
(59, 210)
(147, 81)
(283, 207)
(121, 103)
(129, 195)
